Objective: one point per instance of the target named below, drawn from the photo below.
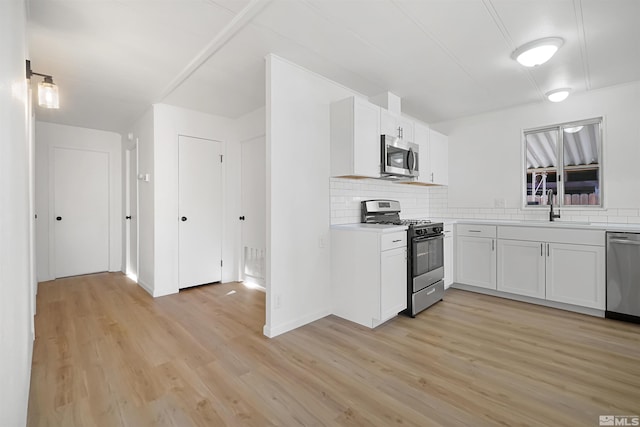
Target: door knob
(58, 218)
(184, 218)
(127, 217)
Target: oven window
(427, 255)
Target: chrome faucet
(552, 216)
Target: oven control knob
(438, 229)
(420, 232)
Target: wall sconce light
(48, 96)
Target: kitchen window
(567, 159)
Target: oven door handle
(424, 239)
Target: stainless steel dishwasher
(623, 276)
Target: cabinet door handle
(396, 241)
(431, 176)
(541, 249)
(547, 249)
(475, 231)
(493, 245)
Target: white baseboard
(274, 331)
(145, 287)
(559, 305)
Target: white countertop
(629, 228)
(375, 228)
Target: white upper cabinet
(395, 125)
(433, 158)
(439, 154)
(355, 138)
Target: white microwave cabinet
(368, 272)
(433, 157)
(396, 125)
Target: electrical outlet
(277, 301)
(321, 242)
(499, 203)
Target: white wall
(298, 202)
(485, 151)
(16, 337)
(249, 127)
(143, 136)
(49, 135)
(157, 134)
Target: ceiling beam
(577, 7)
(241, 20)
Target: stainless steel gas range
(425, 253)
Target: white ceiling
(445, 58)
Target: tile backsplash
(432, 202)
(346, 195)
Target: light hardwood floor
(107, 354)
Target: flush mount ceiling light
(574, 129)
(558, 95)
(537, 52)
(47, 90)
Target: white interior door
(80, 211)
(253, 214)
(200, 199)
(132, 213)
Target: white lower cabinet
(448, 255)
(567, 267)
(567, 273)
(368, 274)
(476, 255)
(393, 290)
(521, 267)
(476, 261)
(562, 265)
(576, 275)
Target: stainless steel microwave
(399, 158)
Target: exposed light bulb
(48, 95)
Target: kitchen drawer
(393, 240)
(476, 230)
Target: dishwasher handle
(625, 242)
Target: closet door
(80, 217)
(200, 213)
